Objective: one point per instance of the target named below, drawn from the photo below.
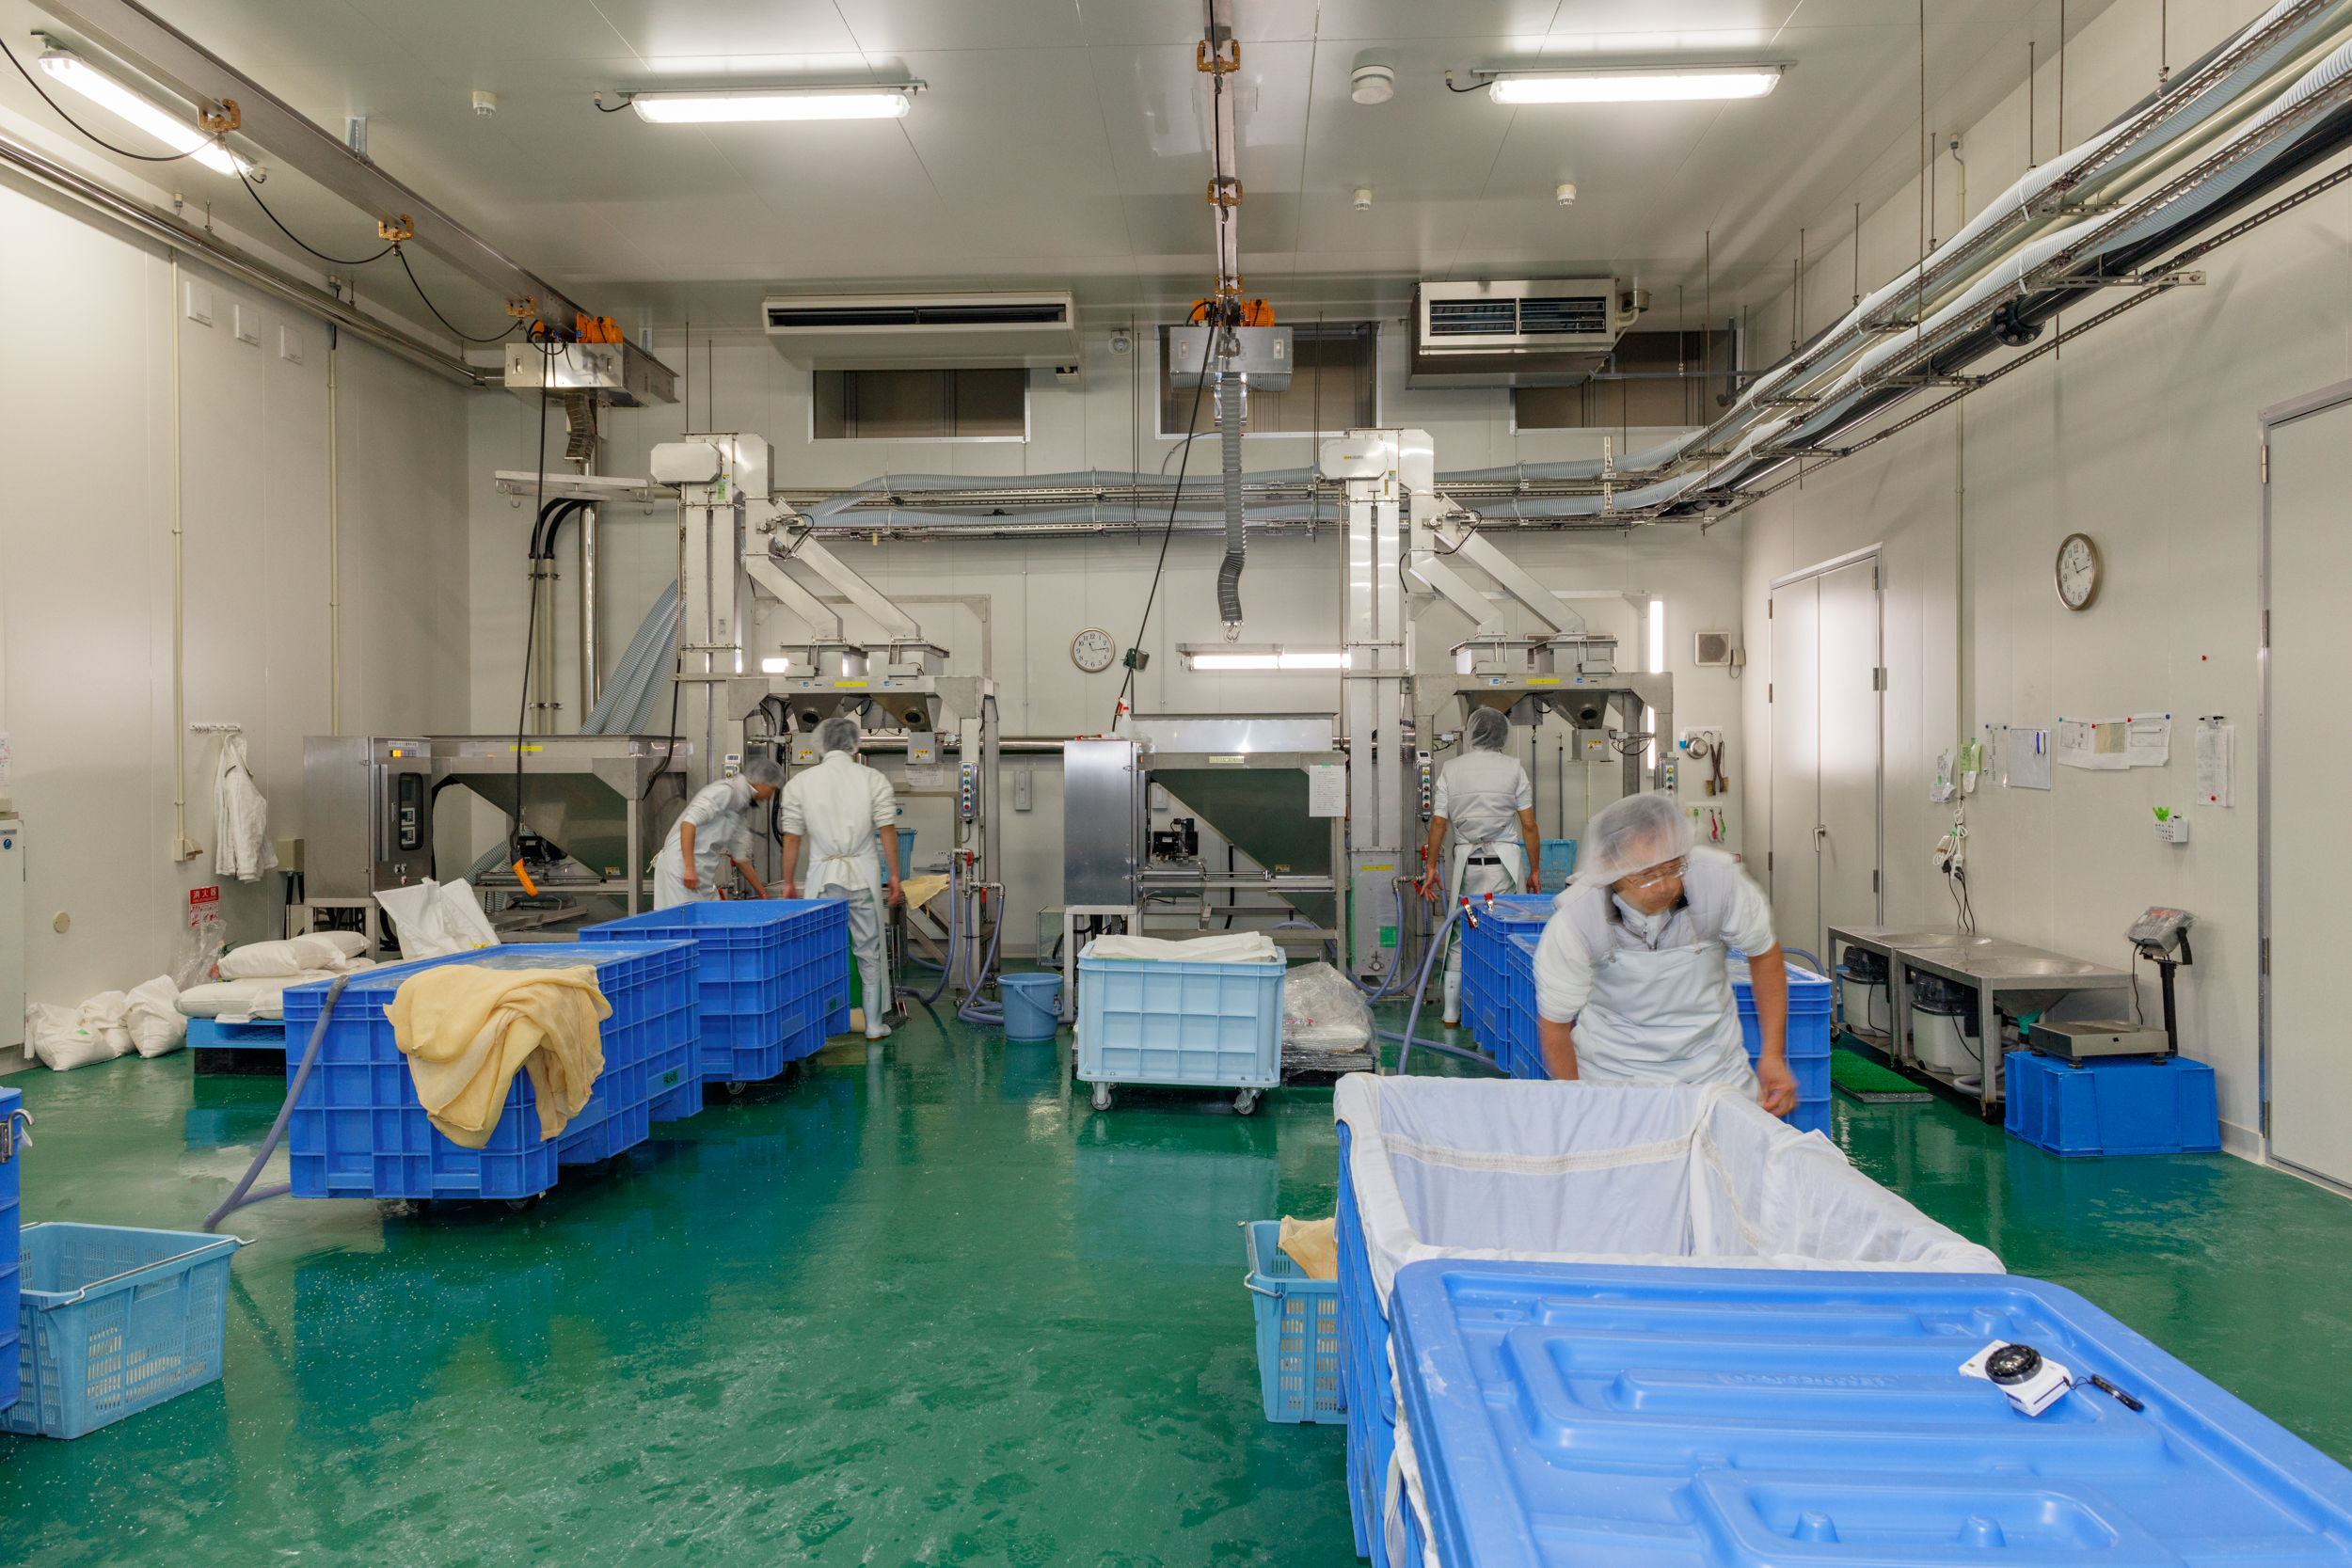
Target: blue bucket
(1031, 1003)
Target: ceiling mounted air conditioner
(967, 331)
(1527, 333)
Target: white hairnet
(1487, 731)
(837, 733)
(763, 771)
(1630, 836)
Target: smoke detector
(485, 103)
(1363, 201)
(1565, 195)
(1372, 79)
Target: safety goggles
(1656, 875)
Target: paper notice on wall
(2216, 747)
(2095, 744)
(6, 757)
(2017, 758)
(1326, 789)
(2148, 740)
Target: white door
(1826, 719)
(2308, 1031)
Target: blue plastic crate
(2111, 1105)
(111, 1320)
(1632, 1418)
(1517, 1032)
(1364, 1385)
(359, 1131)
(12, 1175)
(1557, 863)
(763, 961)
(1298, 1331)
(261, 1034)
(1144, 1021)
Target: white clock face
(1092, 650)
(2077, 571)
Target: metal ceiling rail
(139, 38)
(155, 223)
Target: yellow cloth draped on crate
(1313, 1246)
(465, 1030)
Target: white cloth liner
(1662, 1175)
(434, 921)
(1226, 948)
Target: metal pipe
(334, 549)
(182, 850)
(591, 682)
(155, 224)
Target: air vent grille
(1462, 318)
(1581, 316)
(1011, 313)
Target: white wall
(2143, 435)
(1041, 593)
(86, 577)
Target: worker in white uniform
(1632, 983)
(838, 806)
(1484, 799)
(714, 829)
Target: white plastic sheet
(1322, 1010)
(1226, 948)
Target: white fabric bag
(1689, 1176)
(67, 1037)
(157, 1026)
(434, 922)
(274, 961)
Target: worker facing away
(1484, 799)
(1632, 982)
(838, 805)
(713, 829)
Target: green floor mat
(1863, 1080)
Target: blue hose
(242, 1194)
(1421, 991)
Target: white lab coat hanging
(1662, 1016)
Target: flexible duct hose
(975, 1010)
(1420, 988)
(1229, 396)
(242, 1192)
(947, 970)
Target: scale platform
(2103, 1037)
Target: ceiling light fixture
(172, 129)
(1219, 656)
(1653, 84)
(748, 105)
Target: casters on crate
(736, 1087)
(523, 1205)
(619, 1165)
(1245, 1103)
(402, 1207)
(1102, 1097)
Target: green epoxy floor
(920, 1307)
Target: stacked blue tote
(775, 977)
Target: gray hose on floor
(1229, 396)
(947, 970)
(975, 1010)
(242, 1194)
(1420, 992)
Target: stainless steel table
(2027, 977)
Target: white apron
(1662, 1017)
(1509, 876)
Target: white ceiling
(1059, 140)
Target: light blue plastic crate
(111, 1320)
(1298, 1331)
(1634, 1418)
(1144, 1021)
(11, 1177)
(1558, 863)
(359, 1131)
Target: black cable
(118, 152)
(445, 320)
(614, 110)
(1451, 87)
(322, 256)
(530, 626)
(1175, 501)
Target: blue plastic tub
(359, 1131)
(1298, 1331)
(1032, 1005)
(1143, 1020)
(1632, 1418)
(112, 1321)
(2112, 1105)
(11, 1174)
(767, 965)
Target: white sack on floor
(157, 1026)
(68, 1038)
(1226, 947)
(434, 922)
(1322, 1010)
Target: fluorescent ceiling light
(1262, 657)
(1659, 85)
(737, 106)
(173, 131)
